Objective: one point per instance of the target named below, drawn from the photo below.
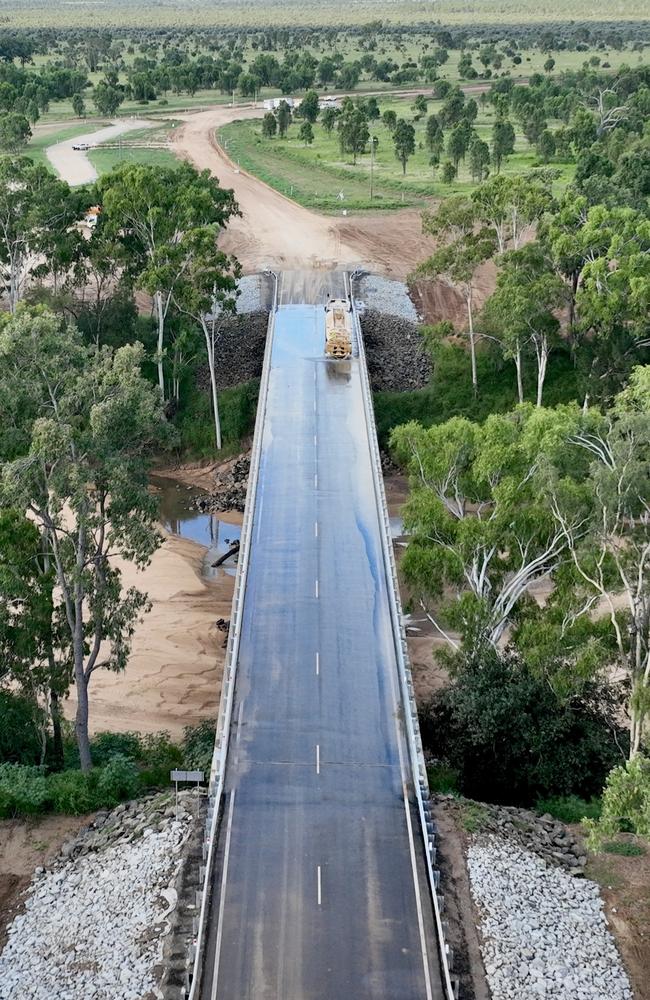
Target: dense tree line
(85, 405)
(559, 497)
(144, 68)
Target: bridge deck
(319, 882)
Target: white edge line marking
(317, 664)
(222, 900)
(257, 515)
(315, 529)
(318, 758)
(319, 888)
(316, 589)
(409, 827)
(315, 440)
(239, 715)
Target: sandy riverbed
(174, 674)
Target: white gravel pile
(251, 293)
(386, 296)
(92, 927)
(544, 932)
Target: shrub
(105, 746)
(73, 792)
(158, 757)
(473, 816)
(237, 408)
(626, 802)
(442, 778)
(117, 780)
(23, 790)
(198, 746)
(20, 732)
(624, 848)
(512, 740)
(569, 808)
(450, 393)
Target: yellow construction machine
(338, 329)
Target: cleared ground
(275, 232)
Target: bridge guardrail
(219, 757)
(414, 741)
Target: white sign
(187, 776)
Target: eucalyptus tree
(33, 653)
(511, 204)
(523, 307)
(600, 500)
(603, 255)
(481, 529)
(465, 247)
(79, 426)
(151, 208)
(403, 141)
(203, 280)
(37, 212)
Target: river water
(179, 516)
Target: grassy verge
(104, 160)
(303, 176)
(319, 176)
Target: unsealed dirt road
(73, 165)
(275, 232)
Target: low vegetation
(125, 765)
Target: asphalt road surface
(319, 882)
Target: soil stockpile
(397, 360)
(239, 349)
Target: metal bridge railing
(219, 757)
(414, 741)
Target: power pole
(373, 146)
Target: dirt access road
(73, 165)
(275, 232)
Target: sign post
(178, 776)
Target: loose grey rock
(544, 934)
(91, 926)
(385, 295)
